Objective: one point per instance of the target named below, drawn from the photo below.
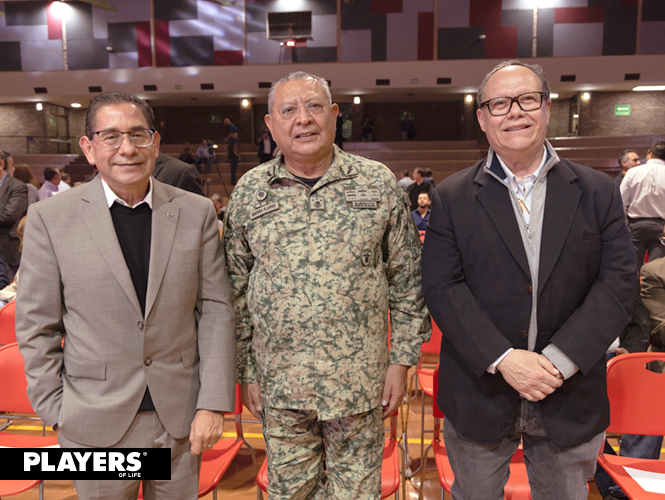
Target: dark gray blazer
(177, 173)
(477, 286)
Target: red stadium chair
(390, 474)
(517, 487)
(634, 409)
(8, 323)
(13, 399)
(423, 376)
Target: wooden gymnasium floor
(239, 482)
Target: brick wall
(646, 114)
(560, 116)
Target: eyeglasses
(289, 112)
(500, 106)
(112, 139)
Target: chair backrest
(13, 397)
(8, 323)
(436, 412)
(433, 345)
(636, 405)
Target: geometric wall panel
(122, 37)
(571, 40)
(10, 56)
(25, 13)
(402, 36)
(172, 10)
(453, 14)
(192, 51)
(652, 37)
(41, 55)
(356, 45)
(460, 43)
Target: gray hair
(298, 75)
(624, 156)
(536, 68)
(216, 197)
(115, 99)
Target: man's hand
(532, 375)
(251, 398)
(394, 389)
(620, 350)
(207, 428)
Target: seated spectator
(186, 154)
(421, 214)
(203, 156)
(405, 181)
(8, 292)
(419, 185)
(427, 175)
(65, 181)
(23, 173)
(51, 182)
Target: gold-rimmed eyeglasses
(112, 139)
(500, 106)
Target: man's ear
(86, 146)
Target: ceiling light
(39, 106)
(576, 116)
(356, 100)
(245, 103)
(648, 87)
(76, 105)
(586, 96)
(468, 98)
(554, 95)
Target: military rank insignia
(317, 203)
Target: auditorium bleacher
(442, 157)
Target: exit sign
(622, 110)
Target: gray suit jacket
(74, 279)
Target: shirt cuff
(560, 361)
(492, 368)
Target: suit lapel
(97, 217)
(496, 200)
(165, 217)
(561, 202)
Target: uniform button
(147, 361)
(140, 325)
(524, 334)
(529, 289)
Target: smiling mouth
(515, 129)
(305, 136)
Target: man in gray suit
(13, 204)
(132, 270)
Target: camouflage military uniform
(314, 273)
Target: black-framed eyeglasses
(500, 106)
(112, 139)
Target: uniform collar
(343, 166)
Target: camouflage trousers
(331, 459)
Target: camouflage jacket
(314, 273)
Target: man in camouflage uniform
(320, 246)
